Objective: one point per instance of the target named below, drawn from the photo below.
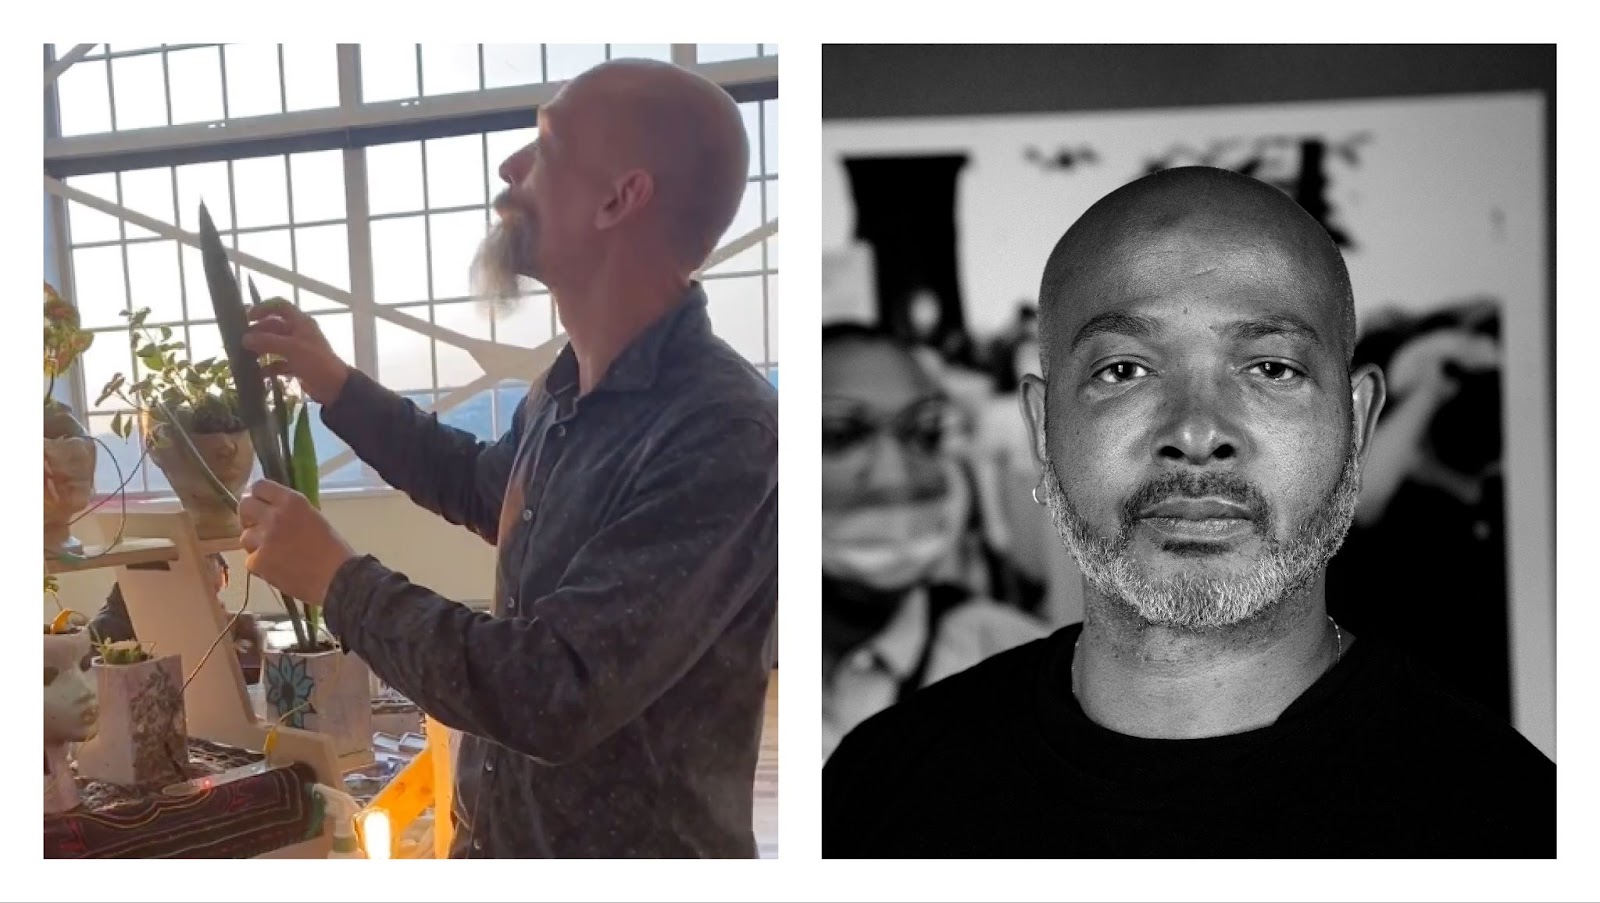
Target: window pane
(772, 319)
(317, 182)
(769, 138)
(106, 357)
(405, 358)
(153, 280)
(662, 52)
(527, 323)
(772, 377)
(311, 301)
(751, 114)
(311, 76)
(470, 318)
(253, 86)
(98, 287)
(713, 53)
(511, 64)
(772, 250)
(86, 223)
(388, 72)
(501, 145)
(329, 446)
(474, 415)
(140, 95)
(260, 192)
(85, 99)
(339, 328)
(455, 171)
(748, 217)
(772, 200)
(455, 238)
(205, 341)
(769, 50)
(120, 466)
(206, 182)
(323, 253)
(196, 294)
(507, 397)
(394, 178)
(148, 191)
(736, 314)
(196, 84)
(273, 247)
(571, 60)
(449, 68)
(399, 260)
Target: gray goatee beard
(1197, 599)
(497, 265)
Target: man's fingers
(260, 342)
(251, 540)
(252, 511)
(271, 306)
(270, 493)
(278, 367)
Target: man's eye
(1121, 371)
(1277, 371)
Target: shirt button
(561, 430)
(477, 845)
(488, 766)
(527, 515)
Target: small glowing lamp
(376, 837)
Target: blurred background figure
(902, 597)
(1430, 529)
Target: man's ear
(1367, 395)
(630, 193)
(1033, 402)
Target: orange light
(376, 837)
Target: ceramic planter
(70, 714)
(230, 456)
(143, 737)
(326, 692)
(69, 457)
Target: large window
(421, 210)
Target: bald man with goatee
(1202, 433)
(611, 699)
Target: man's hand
(288, 543)
(278, 327)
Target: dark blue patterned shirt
(611, 701)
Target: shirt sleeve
(445, 470)
(637, 606)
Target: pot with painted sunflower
(328, 691)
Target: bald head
(1252, 227)
(681, 128)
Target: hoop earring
(1036, 496)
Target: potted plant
(190, 418)
(143, 737)
(312, 684)
(69, 450)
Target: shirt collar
(638, 365)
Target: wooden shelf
(126, 552)
(212, 546)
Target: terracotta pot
(143, 737)
(69, 457)
(230, 456)
(71, 714)
(326, 692)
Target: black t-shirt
(1376, 759)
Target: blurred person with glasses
(897, 614)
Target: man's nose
(515, 167)
(1200, 424)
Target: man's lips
(1195, 509)
(1204, 520)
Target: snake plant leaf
(232, 323)
(306, 478)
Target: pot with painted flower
(327, 691)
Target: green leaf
(109, 390)
(118, 424)
(306, 479)
(166, 333)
